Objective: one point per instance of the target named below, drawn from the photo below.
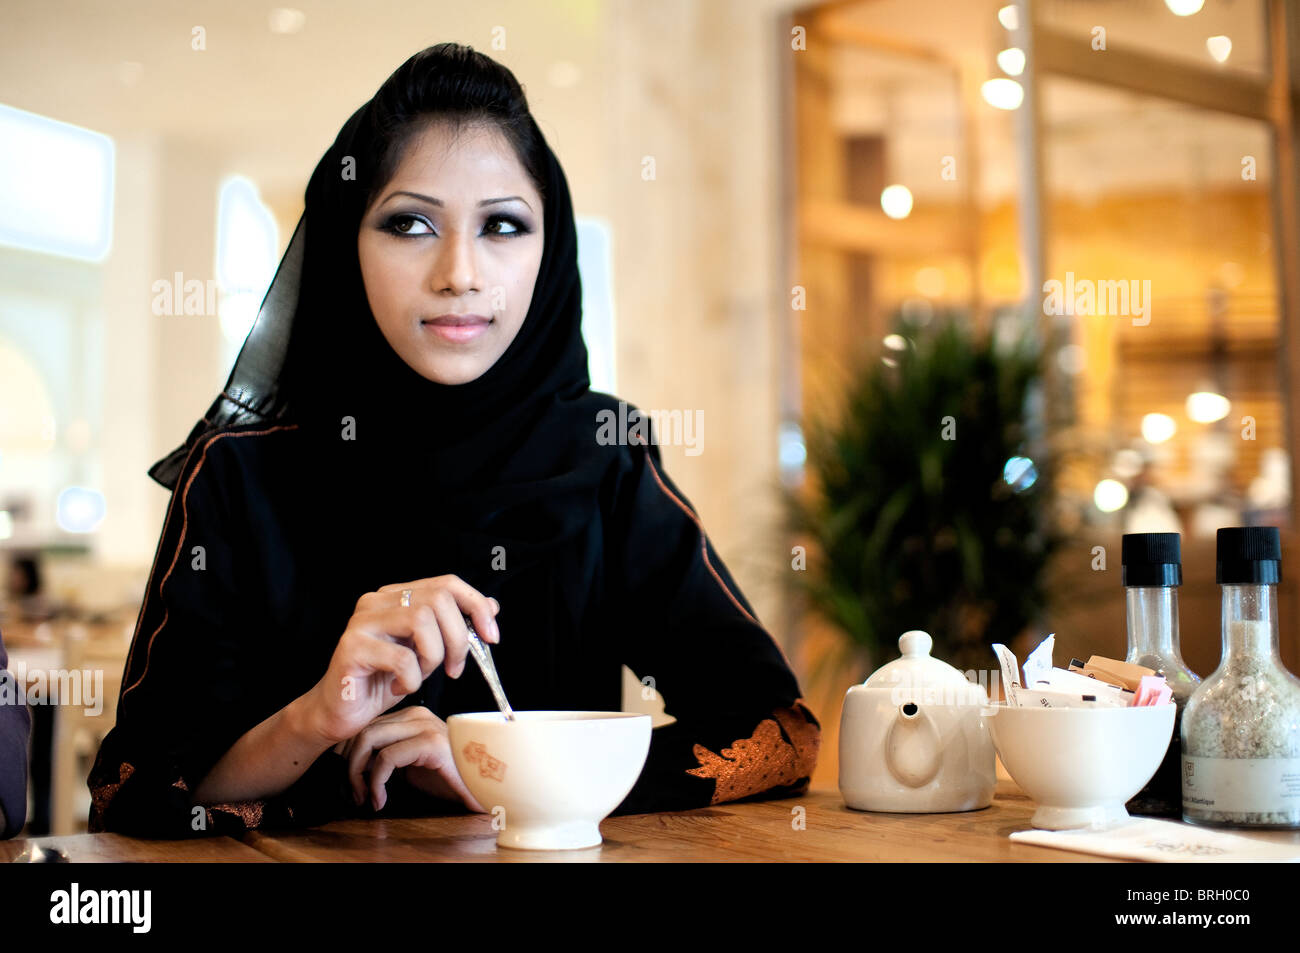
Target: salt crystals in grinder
(1151, 572)
(1241, 728)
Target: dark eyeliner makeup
(391, 224)
(518, 224)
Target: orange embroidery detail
(250, 812)
(765, 759)
(180, 545)
(102, 794)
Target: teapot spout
(913, 752)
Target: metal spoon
(482, 653)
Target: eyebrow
(432, 201)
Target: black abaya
(220, 648)
(328, 468)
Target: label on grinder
(1241, 785)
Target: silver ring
(406, 597)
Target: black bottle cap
(1248, 554)
(1151, 559)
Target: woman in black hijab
(409, 438)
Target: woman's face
(450, 251)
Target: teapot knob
(915, 643)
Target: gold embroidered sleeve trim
(782, 750)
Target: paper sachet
(1050, 687)
(1039, 662)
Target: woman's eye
(407, 225)
(516, 227)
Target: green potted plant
(928, 499)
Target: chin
(453, 372)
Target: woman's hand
(413, 738)
(388, 650)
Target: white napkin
(1150, 839)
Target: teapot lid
(917, 666)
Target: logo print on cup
(488, 766)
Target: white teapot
(912, 738)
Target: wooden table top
(115, 848)
(755, 831)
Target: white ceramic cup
(551, 776)
(1081, 765)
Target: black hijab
(515, 450)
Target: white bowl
(1081, 764)
(549, 777)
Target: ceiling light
(1003, 93)
(896, 200)
(1012, 60)
(1157, 428)
(1205, 407)
(1110, 495)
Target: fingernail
(496, 631)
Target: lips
(458, 320)
(457, 327)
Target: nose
(455, 264)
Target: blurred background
(960, 290)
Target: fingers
(428, 640)
(481, 609)
(477, 606)
(414, 627)
(411, 737)
(430, 749)
(371, 647)
(455, 636)
(381, 733)
(401, 754)
(435, 631)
